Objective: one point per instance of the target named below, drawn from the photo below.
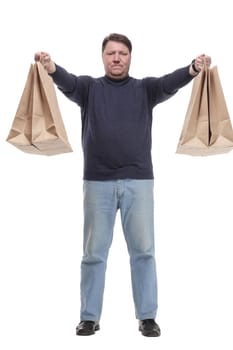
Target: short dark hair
(118, 38)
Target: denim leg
(137, 215)
(100, 206)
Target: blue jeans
(135, 200)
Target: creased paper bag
(38, 127)
(207, 128)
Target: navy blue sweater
(116, 120)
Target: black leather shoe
(149, 328)
(87, 328)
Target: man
(116, 112)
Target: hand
(202, 60)
(45, 59)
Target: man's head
(116, 54)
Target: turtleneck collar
(117, 81)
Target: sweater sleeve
(162, 88)
(73, 87)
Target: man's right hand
(45, 59)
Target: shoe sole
(150, 334)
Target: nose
(116, 57)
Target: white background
(41, 197)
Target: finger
(37, 56)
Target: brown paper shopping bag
(38, 127)
(207, 128)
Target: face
(116, 59)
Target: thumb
(37, 56)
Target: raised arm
(162, 88)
